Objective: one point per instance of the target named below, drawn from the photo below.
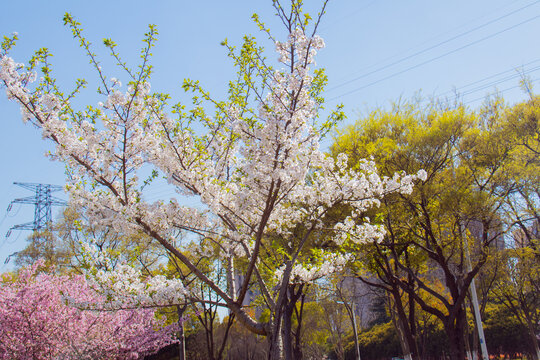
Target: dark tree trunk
(286, 330)
(297, 349)
(409, 345)
(456, 335)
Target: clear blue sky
(377, 51)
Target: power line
(472, 21)
(10, 243)
(339, 20)
(501, 91)
(16, 212)
(435, 58)
(510, 77)
(461, 95)
(431, 47)
(488, 85)
(513, 69)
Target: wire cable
(16, 212)
(435, 58)
(339, 20)
(431, 47)
(461, 95)
(433, 38)
(500, 81)
(9, 242)
(489, 77)
(4, 218)
(500, 91)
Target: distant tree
(519, 291)
(424, 245)
(518, 286)
(505, 334)
(43, 245)
(379, 342)
(61, 247)
(336, 322)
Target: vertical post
(355, 331)
(181, 336)
(474, 298)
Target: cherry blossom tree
(256, 166)
(36, 322)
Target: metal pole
(355, 332)
(474, 297)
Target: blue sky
(377, 51)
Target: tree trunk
(398, 324)
(468, 350)
(475, 345)
(293, 294)
(286, 332)
(275, 345)
(456, 336)
(401, 322)
(297, 348)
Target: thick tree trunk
(401, 336)
(401, 322)
(293, 295)
(286, 332)
(275, 346)
(456, 336)
(297, 349)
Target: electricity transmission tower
(43, 202)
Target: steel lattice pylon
(43, 202)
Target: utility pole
(474, 297)
(355, 330)
(42, 201)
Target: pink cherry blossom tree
(36, 323)
(256, 166)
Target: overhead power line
(431, 47)
(500, 91)
(500, 81)
(513, 69)
(461, 95)
(435, 58)
(420, 45)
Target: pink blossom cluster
(36, 323)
